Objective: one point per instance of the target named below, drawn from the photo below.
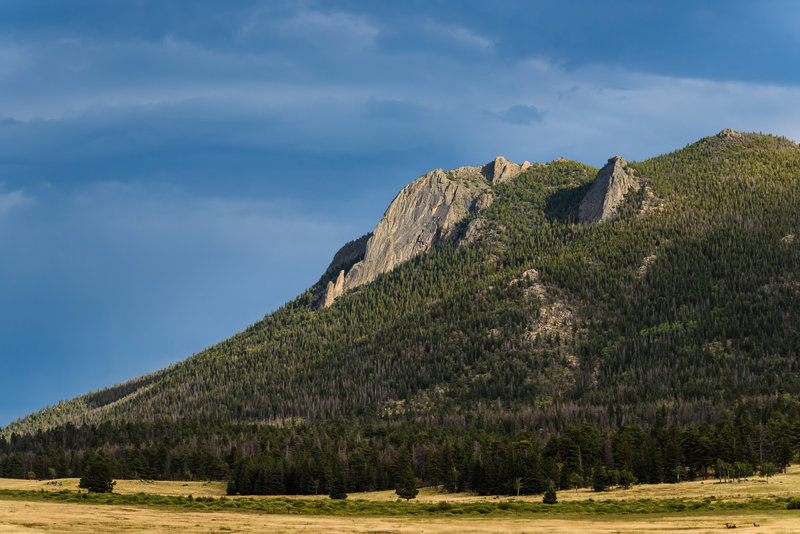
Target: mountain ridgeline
(526, 298)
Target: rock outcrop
(729, 133)
(418, 217)
(422, 214)
(607, 191)
(333, 290)
(472, 232)
(501, 170)
(348, 254)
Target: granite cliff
(424, 213)
(607, 191)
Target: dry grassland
(156, 487)
(21, 516)
(44, 517)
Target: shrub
(444, 506)
(550, 495)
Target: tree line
(305, 459)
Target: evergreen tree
(98, 477)
(599, 478)
(407, 485)
(575, 480)
(550, 495)
(626, 478)
(338, 485)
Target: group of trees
(341, 459)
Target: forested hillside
(677, 312)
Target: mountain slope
(686, 298)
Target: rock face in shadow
(350, 252)
(421, 215)
(607, 192)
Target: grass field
(782, 485)
(125, 487)
(159, 506)
(40, 517)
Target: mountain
(512, 298)
(680, 292)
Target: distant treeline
(260, 459)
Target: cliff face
(349, 253)
(421, 215)
(607, 191)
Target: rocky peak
(417, 218)
(728, 133)
(607, 191)
(501, 170)
(333, 290)
(422, 214)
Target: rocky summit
(422, 214)
(426, 211)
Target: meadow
(785, 485)
(169, 506)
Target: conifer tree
(407, 485)
(550, 495)
(338, 484)
(98, 477)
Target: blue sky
(170, 172)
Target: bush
(794, 503)
(550, 495)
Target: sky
(170, 172)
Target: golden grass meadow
(23, 510)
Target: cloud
(322, 30)
(342, 26)
(394, 109)
(13, 199)
(521, 114)
(459, 35)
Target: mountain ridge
(530, 348)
